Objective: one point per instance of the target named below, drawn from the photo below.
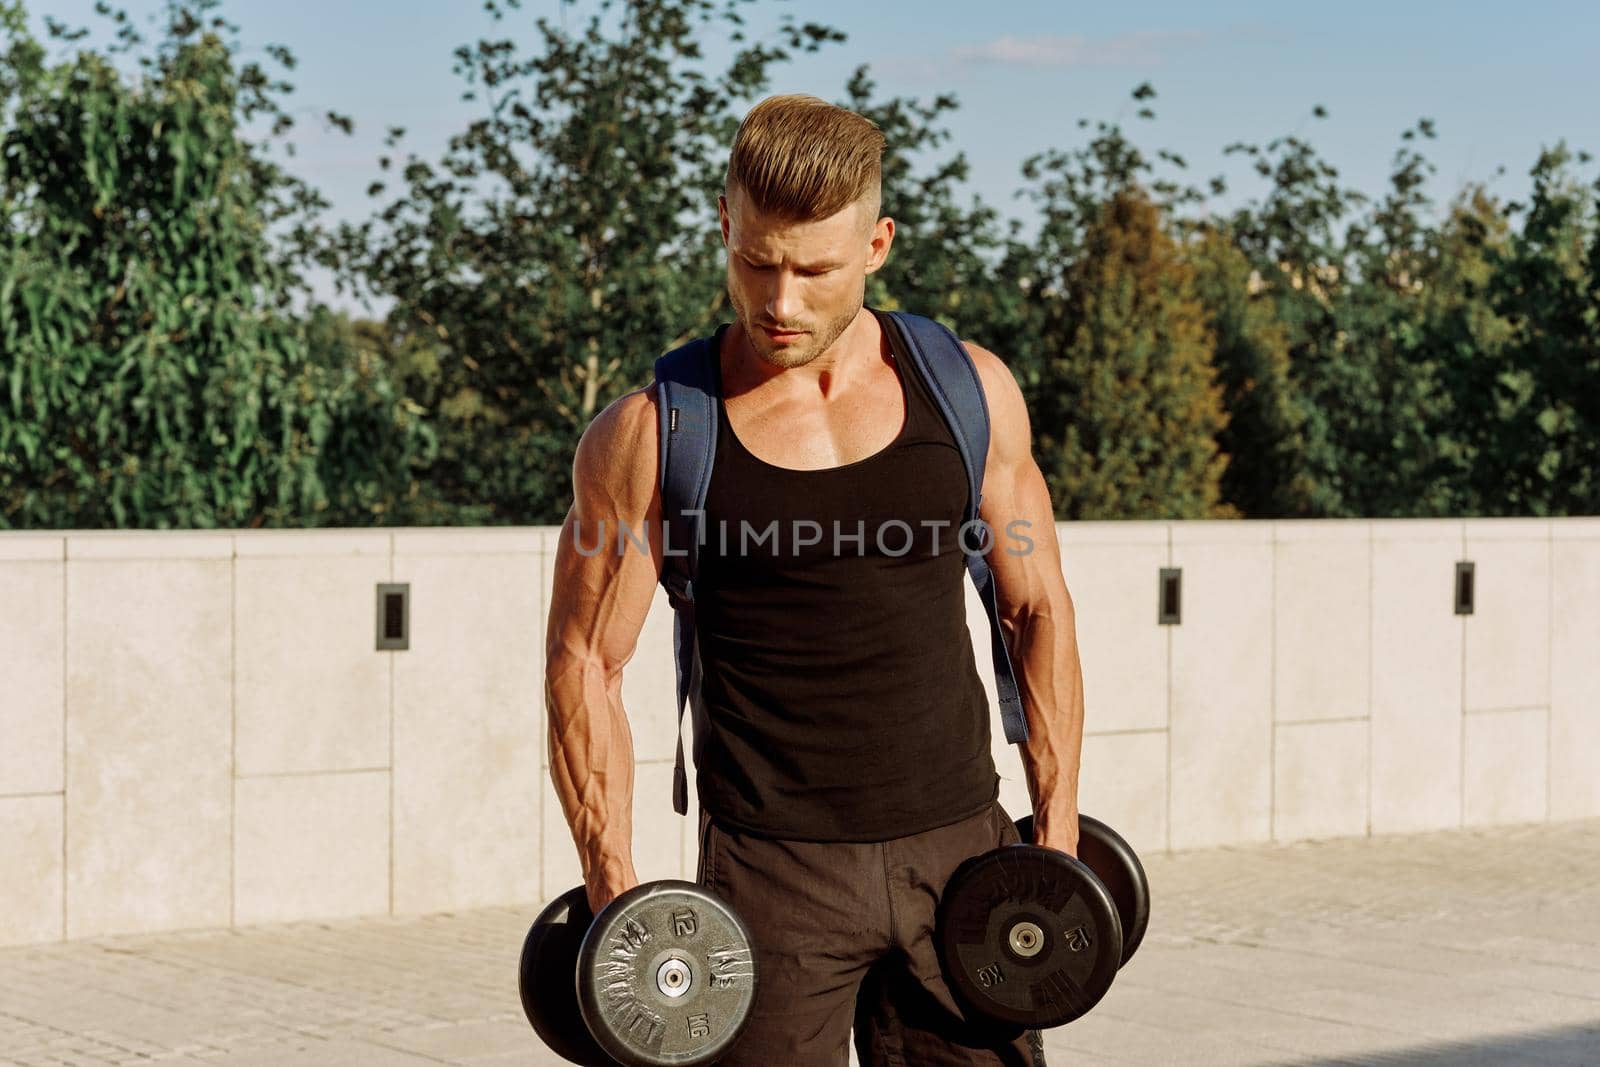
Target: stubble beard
(798, 354)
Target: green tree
(1264, 438)
(1294, 239)
(1122, 394)
(943, 263)
(1070, 189)
(152, 371)
(1131, 411)
(566, 239)
(388, 365)
(1383, 404)
(1546, 286)
(1464, 339)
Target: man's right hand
(603, 891)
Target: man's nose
(782, 298)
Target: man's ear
(722, 217)
(882, 239)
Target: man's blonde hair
(801, 159)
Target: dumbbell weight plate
(1028, 936)
(666, 976)
(1111, 858)
(546, 983)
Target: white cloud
(1140, 48)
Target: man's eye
(802, 273)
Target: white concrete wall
(196, 730)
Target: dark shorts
(843, 937)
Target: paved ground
(1470, 947)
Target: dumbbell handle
(1113, 861)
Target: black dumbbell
(663, 976)
(1108, 854)
(1031, 936)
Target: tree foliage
(1130, 409)
(942, 261)
(1264, 437)
(1123, 397)
(1310, 351)
(1543, 457)
(566, 239)
(154, 371)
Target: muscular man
(842, 744)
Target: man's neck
(852, 355)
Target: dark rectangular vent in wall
(1464, 583)
(394, 616)
(1170, 608)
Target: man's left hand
(1057, 830)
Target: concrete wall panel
(31, 879)
(1322, 620)
(311, 846)
(1123, 783)
(1320, 776)
(1122, 647)
(1508, 634)
(1505, 767)
(173, 661)
(1416, 677)
(312, 691)
(149, 733)
(1222, 686)
(1574, 685)
(468, 729)
(32, 705)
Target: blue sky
(1499, 80)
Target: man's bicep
(1016, 500)
(1026, 560)
(608, 553)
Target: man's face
(805, 277)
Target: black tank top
(839, 699)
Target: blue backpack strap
(946, 366)
(686, 384)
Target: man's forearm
(1044, 650)
(591, 765)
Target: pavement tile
(1456, 947)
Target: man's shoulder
(629, 422)
(618, 454)
(999, 384)
(1009, 429)
(989, 365)
(992, 370)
